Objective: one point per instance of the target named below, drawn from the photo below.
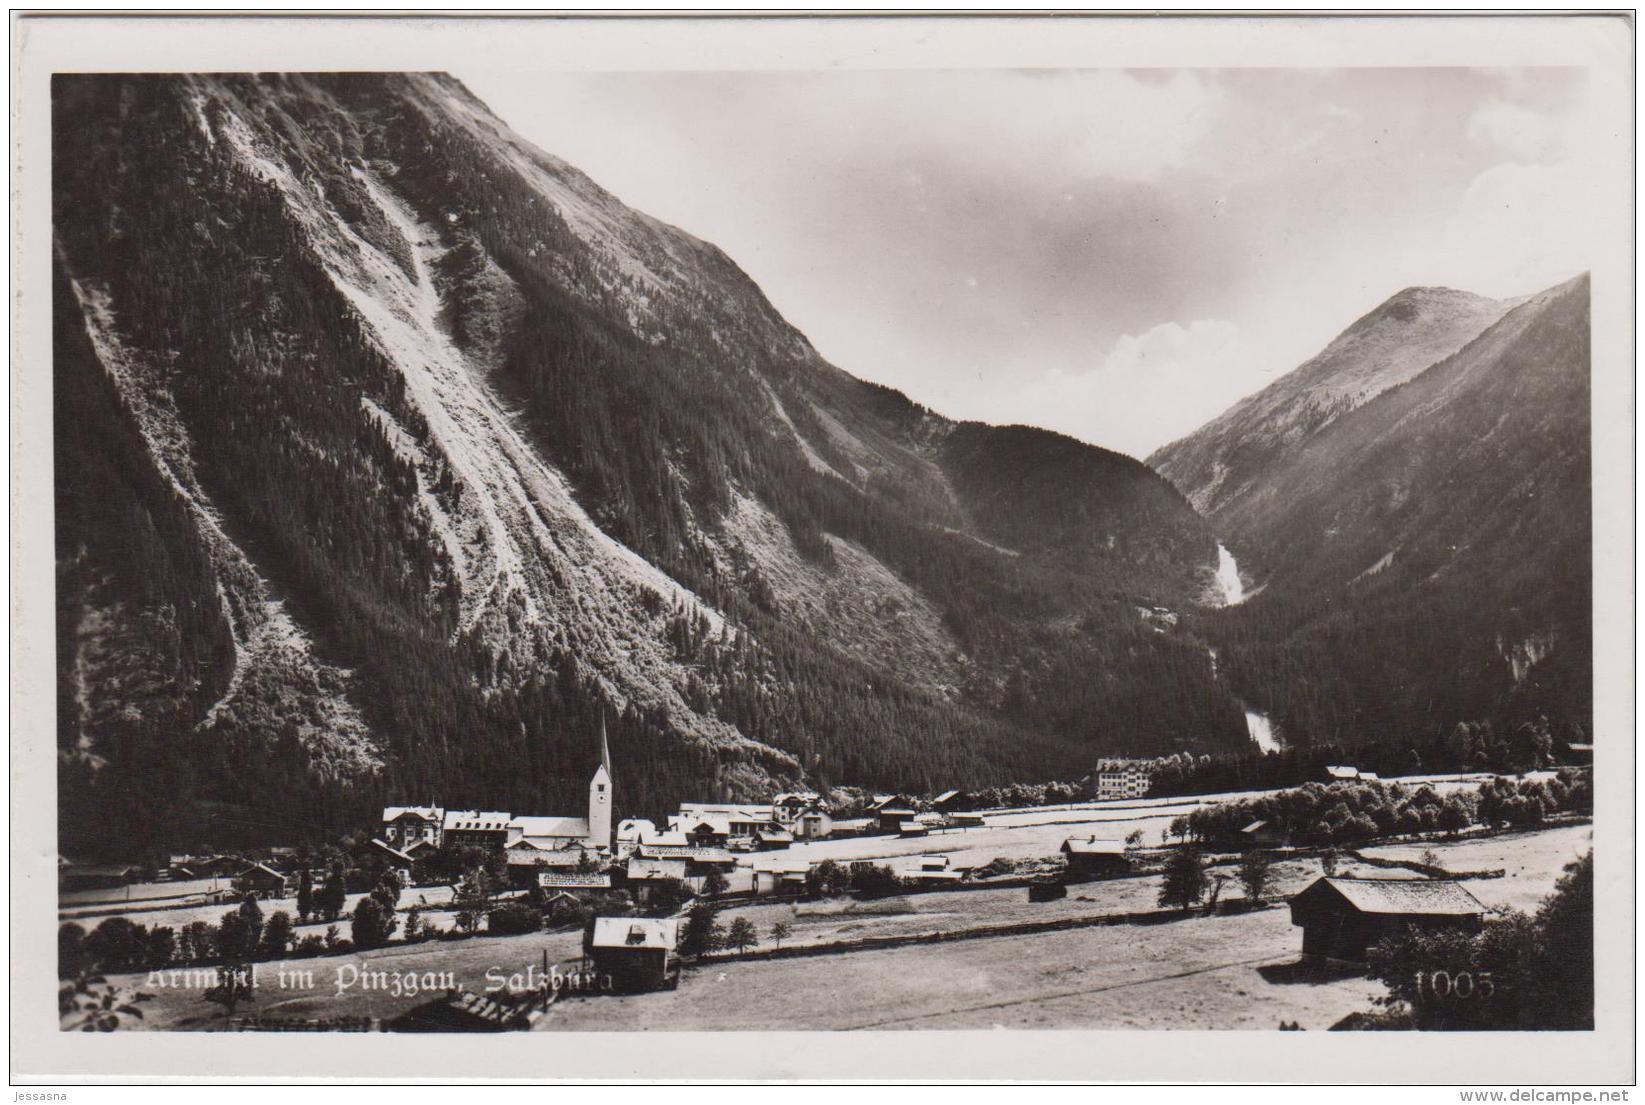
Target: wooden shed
(1341, 918)
(1093, 858)
(636, 953)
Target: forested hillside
(1425, 560)
(391, 452)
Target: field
(1194, 973)
(1235, 971)
(151, 911)
(1037, 832)
(1532, 862)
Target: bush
(278, 935)
(372, 924)
(71, 950)
(1184, 882)
(872, 880)
(701, 933)
(1522, 972)
(513, 919)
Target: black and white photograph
(642, 541)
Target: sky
(1118, 255)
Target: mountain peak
(1389, 345)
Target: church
(527, 839)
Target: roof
(110, 868)
(542, 857)
(945, 796)
(1338, 771)
(644, 869)
(261, 869)
(896, 811)
(934, 863)
(427, 813)
(1403, 896)
(696, 811)
(1254, 826)
(665, 840)
(477, 820)
(784, 867)
(586, 880)
(935, 876)
(635, 828)
(776, 834)
(1094, 847)
(384, 846)
(636, 932)
(550, 827)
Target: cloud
(1525, 134)
(1150, 388)
(1079, 124)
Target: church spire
(605, 749)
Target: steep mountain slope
(1428, 554)
(1236, 454)
(391, 451)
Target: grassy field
(1532, 861)
(1194, 973)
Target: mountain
(1425, 556)
(393, 453)
(1232, 457)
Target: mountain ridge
(510, 456)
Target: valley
(406, 452)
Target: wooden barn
(263, 881)
(635, 953)
(1340, 918)
(1263, 834)
(1095, 859)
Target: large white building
(1121, 778)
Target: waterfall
(1261, 730)
(1228, 581)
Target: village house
(263, 881)
(771, 839)
(475, 829)
(725, 820)
(1095, 859)
(405, 825)
(781, 877)
(394, 859)
(96, 876)
(1114, 779)
(802, 814)
(1340, 918)
(935, 869)
(892, 811)
(1340, 773)
(648, 878)
(635, 953)
(1263, 834)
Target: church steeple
(599, 795)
